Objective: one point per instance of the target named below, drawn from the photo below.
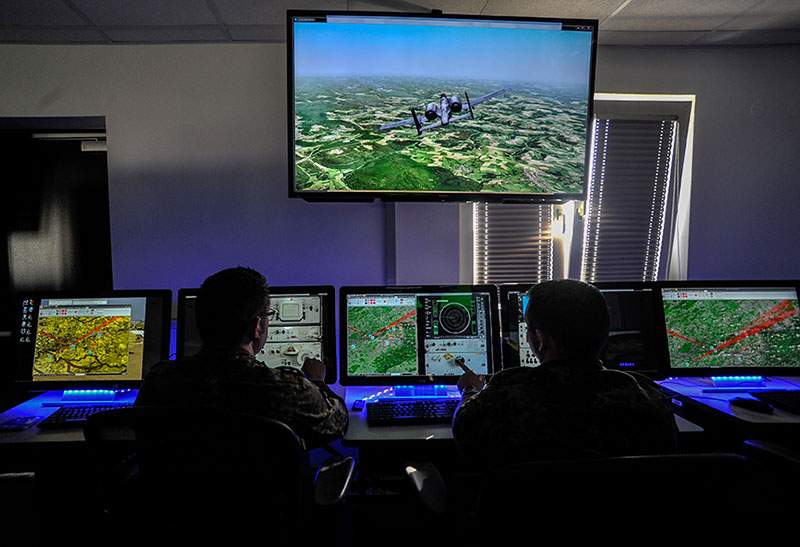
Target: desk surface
(42, 406)
(359, 432)
(719, 401)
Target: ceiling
(622, 22)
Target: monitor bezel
(23, 374)
(390, 380)
(369, 195)
(671, 371)
(326, 292)
(655, 350)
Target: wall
(743, 221)
(197, 162)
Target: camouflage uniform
(564, 409)
(235, 380)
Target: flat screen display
(725, 328)
(416, 335)
(91, 339)
(438, 107)
(634, 341)
(302, 326)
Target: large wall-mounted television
(438, 107)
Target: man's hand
(469, 378)
(314, 369)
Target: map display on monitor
(728, 328)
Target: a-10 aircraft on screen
(444, 110)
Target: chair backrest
(203, 463)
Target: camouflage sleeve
(319, 415)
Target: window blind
(626, 203)
(512, 242)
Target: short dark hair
(227, 303)
(574, 313)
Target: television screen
(433, 107)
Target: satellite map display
(352, 79)
(88, 340)
(382, 336)
(733, 332)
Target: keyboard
(788, 400)
(411, 411)
(75, 415)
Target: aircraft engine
(455, 104)
(431, 111)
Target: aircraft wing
(430, 126)
(409, 121)
(479, 100)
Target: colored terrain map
(68, 346)
(733, 333)
(381, 340)
(528, 139)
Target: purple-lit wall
(745, 194)
(197, 163)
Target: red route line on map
(786, 314)
(687, 339)
(390, 325)
(779, 307)
(88, 334)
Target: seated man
(570, 406)
(232, 318)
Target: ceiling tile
(577, 9)
(120, 13)
(260, 12)
(647, 38)
(680, 15)
(38, 12)
(769, 14)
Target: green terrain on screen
(733, 333)
(530, 139)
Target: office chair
(207, 474)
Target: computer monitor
(397, 335)
(303, 326)
(633, 341)
(80, 340)
(432, 106)
(724, 328)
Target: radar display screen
(732, 327)
(409, 334)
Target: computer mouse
(752, 404)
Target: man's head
(231, 305)
(571, 317)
